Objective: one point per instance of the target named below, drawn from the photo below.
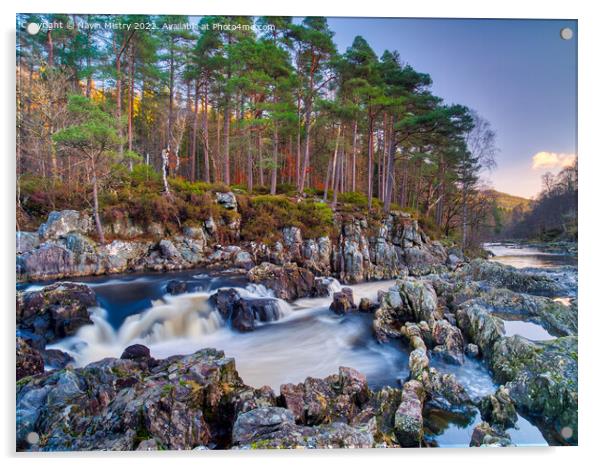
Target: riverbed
(307, 340)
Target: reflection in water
(521, 256)
(526, 329)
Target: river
(307, 340)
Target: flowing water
(307, 340)
(523, 256)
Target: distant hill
(507, 201)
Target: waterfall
(188, 316)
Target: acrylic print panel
(272, 232)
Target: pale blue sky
(518, 74)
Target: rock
(244, 260)
(56, 311)
(367, 306)
(168, 250)
(498, 409)
(444, 391)
(337, 398)
(342, 302)
(210, 226)
(472, 350)
(175, 287)
(259, 423)
(148, 445)
(418, 362)
(410, 300)
(409, 429)
(116, 404)
(157, 230)
(56, 359)
(450, 340)
(60, 223)
(288, 282)
(227, 200)
(484, 435)
(275, 428)
(194, 232)
(480, 326)
(244, 314)
(506, 276)
(545, 386)
(136, 352)
(26, 241)
(29, 360)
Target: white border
(590, 103)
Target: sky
(518, 74)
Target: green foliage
(94, 133)
(264, 216)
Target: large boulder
(56, 311)
(288, 282)
(244, 314)
(342, 302)
(60, 223)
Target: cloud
(552, 160)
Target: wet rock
(444, 391)
(486, 436)
(175, 287)
(342, 302)
(56, 311)
(367, 306)
(29, 360)
(244, 314)
(498, 409)
(56, 359)
(409, 428)
(288, 282)
(450, 341)
(472, 350)
(136, 352)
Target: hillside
(507, 201)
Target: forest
(146, 113)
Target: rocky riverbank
(199, 401)
(441, 308)
(358, 249)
